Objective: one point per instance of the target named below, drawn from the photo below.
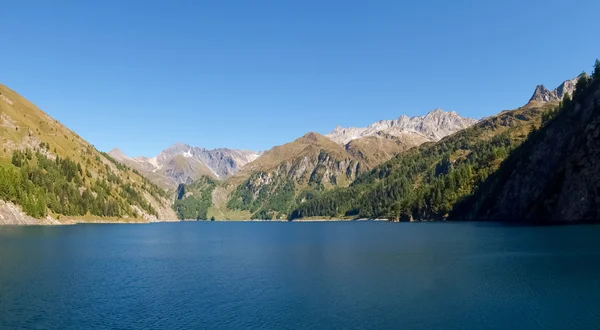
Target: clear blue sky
(141, 75)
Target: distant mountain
(50, 175)
(542, 94)
(430, 127)
(182, 163)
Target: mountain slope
(426, 182)
(463, 170)
(182, 163)
(287, 175)
(555, 175)
(50, 172)
(430, 127)
(380, 147)
(272, 184)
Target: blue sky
(142, 75)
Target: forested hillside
(49, 171)
(194, 200)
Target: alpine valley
(538, 163)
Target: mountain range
(181, 163)
(430, 127)
(534, 163)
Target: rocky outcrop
(542, 94)
(11, 214)
(431, 127)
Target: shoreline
(125, 221)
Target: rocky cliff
(542, 94)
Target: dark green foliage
(596, 72)
(180, 191)
(263, 215)
(39, 184)
(276, 196)
(196, 205)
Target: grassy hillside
(50, 171)
(379, 148)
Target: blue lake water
(338, 275)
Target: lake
(333, 275)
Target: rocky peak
(182, 163)
(433, 126)
(117, 154)
(312, 136)
(542, 94)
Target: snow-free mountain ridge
(430, 127)
(182, 163)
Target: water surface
(340, 275)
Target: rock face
(182, 163)
(542, 94)
(430, 127)
(375, 149)
(11, 214)
(555, 175)
(272, 184)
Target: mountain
(426, 182)
(49, 174)
(536, 163)
(542, 94)
(375, 149)
(287, 174)
(430, 127)
(555, 175)
(182, 163)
